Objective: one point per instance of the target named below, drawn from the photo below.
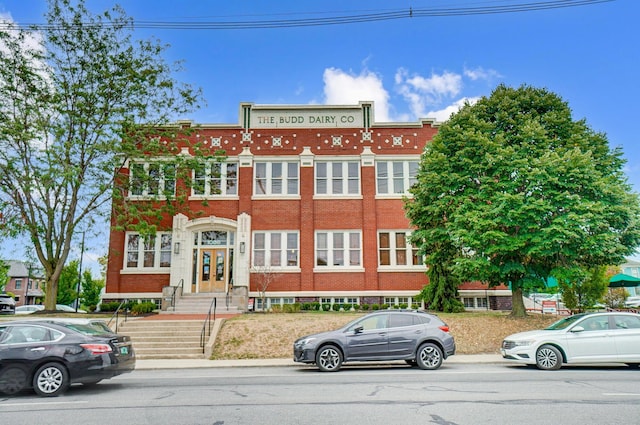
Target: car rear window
(95, 328)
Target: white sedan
(588, 338)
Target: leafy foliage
(91, 290)
(518, 188)
(68, 283)
(79, 99)
(581, 288)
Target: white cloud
(419, 92)
(480, 73)
(444, 114)
(343, 88)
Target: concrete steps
(165, 339)
(201, 303)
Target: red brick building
(308, 206)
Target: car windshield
(564, 323)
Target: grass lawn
(271, 335)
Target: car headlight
(304, 341)
(524, 343)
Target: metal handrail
(173, 295)
(206, 330)
(116, 315)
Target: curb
(152, 364)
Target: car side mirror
(577, 329)
(358, 330)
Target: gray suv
(416, 337)
(7, 304)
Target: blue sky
(411, 67)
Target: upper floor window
(395, 249)
(18, 283)
(146, 252)
(395, 177)
(337, 178)
(338, 249)
(152, 179)
(275, 249)
(276, 178)
(216, 178)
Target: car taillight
(97, 348)
(444, 328)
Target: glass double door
(213, 270)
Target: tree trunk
(517, 303)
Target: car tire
(329, 358)
(12, 380)
(50, 380)
(548, 357)
(429, 356)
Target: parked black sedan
(49, 355)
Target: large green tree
(520, 188)
(79, 99)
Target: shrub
(336, 307)
(143, 308)
(365, 307)
(384, 307)
(326, 307)
(375, 307)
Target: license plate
(124, 350)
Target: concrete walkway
(204, 363)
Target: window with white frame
(395, 177)
(276, 178)
(337, 178)
(338, 249)
(152, 179)
(148, 252)
(275, 249)
(475, 302)
(395, 249)
(216, 178)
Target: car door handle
(38, 349)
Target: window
(337, 178)
(475, 302)
(216, 178)
(149, 251)
(152, 179)
(18, 284)
(395, 177)
(275, 249)
(276, 178)
(395, 249)
(338, 249)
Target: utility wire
(334, 20)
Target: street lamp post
(80, 273)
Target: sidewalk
(204, 363)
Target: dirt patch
(271, 335)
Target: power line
(343, 19)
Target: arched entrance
(212, 260)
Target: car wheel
(50, 380)
(548, 357)
(329, 358)
(429, 356)
(12, 380)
